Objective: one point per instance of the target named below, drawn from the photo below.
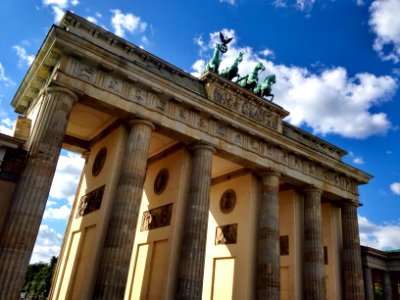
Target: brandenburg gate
(193, 188)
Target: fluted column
(118, 245)
(368, 284)
(387, 286)
(26, 210)
(352, 265)
(268, 252)
(193, 248)
(314, 268)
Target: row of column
(385, 281)
(22, 224)
(268, 257)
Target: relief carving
(226, 234)
(90, 202)
(156, 217)
(114, 84)
(87, 73)
(245, 107)
(161, 104)
(221, 130)
(139, 95)
(203, 122)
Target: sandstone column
(26, 210)
(193, 248)
(387, 286)
(268, 247)
(351, 256)
(369, 284)
(314, 268)
(115, 259)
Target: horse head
(259, 67)
(240, 57)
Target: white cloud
(358, 160)
(3, 78)
(267, 52)
(48, 244)
(395, 188)
(57, 213)
(66, 178)
(231, 2)
(24, 58)
(59, 3)
(383, 237)
(385, 23)
(329, 101)
(91, 19)
(302, 5)
(59, 7)
(6, 126)
(126, 22)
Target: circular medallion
(228, 201)
(99, 161)
(161, 181)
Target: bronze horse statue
(232, 71)
(250, 81)
(264, 89)
(215, 60)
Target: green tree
(38, 279)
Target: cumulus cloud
(66, 178)
(383, 237)
(126, 22)
(57, 213)
(395, 188)
(6, 126)
(59, 7)
(48, 244)
(329, 101)
(385, 23)
(24, 58)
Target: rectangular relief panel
(156, 217)
(90, 202)
(223, 275)
(226, 234)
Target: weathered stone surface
(114, 263)
(352, 266)
(21, 227)
(193, 249)
(268, 254)
(314, 269)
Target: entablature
(211, 109)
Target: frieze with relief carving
(224, 130)
(246, 107)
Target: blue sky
(336, 62)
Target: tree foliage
(38, 279)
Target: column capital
(312, 190)
(269, 172)
(53, 89)
(135, 121)
(204, 146)
(350, 202)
